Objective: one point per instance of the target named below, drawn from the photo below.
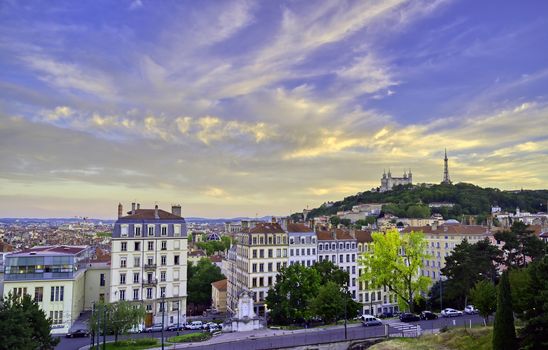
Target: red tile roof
(266, 227)
(220, 285)
(364, 236)
(328, 235)
(298, 228)
(450, 229)
(216, 258)
(197, 253)
(149, 214)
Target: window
(136, 277)
(254, 268)
(150, 229)
(123, 246)
(354, 269)
(320, 247)
(123, 262)
(254, 254)
(163, 291)
(149, 293)
(254, 282)
(137, 230)
(136, 261)
(261, 253)
(150, 261)
(162, 276)
(164, 245)
(122, 294)
(122, 278)
(164, 230)
(353, 257)
(123, 230)
(269, 267)
(291, 252)
(150, 245)
(101, 280)
(136, 294)
(176, 230)
(176, 260)
(261, 267)
(62, 293)
(347, 245)
(137, 246)
(163, 260)
(38, 294)
(269, 281)
(341, 258)
(278, 265)
(347, 257)
(52, 296)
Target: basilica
(388, 182)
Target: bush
(192, 337)
(146, 341)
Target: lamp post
(92, 327)
(104, 327)
(441, 294)
(163, 314)
(345, 311)
(178, 315)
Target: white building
(340, 247)
(302, 245)
(149, 262)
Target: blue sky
(265, 107)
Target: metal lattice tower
(446, 179)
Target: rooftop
(328, 235)
(51, 250)
(149, 214)
(266, 227)
(298, 228)
(220, 285)
(450, 229)
(364, 236)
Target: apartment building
(442, 239)
(340, 247)
(302, 244)
(149, 262)
(374, 301)
(54, 276)
(258, 255)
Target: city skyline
(238, 108)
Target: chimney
(273, 220)
(334, 234)
(156, 212)
(176, 210)
(132, 208)
(120, 210)
(138, 206)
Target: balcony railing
(149, 283)
(150, 266)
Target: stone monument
(246, 319)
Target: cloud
(135, 4)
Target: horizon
(245, 109)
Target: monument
(245, 319)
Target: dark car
(174, 327)
(79, 333)
(386, 314)
(428, 315)
(154, 328)
(408, 317)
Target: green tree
(335, 220)
(24, 325)
(484, 296)
(520, 280)
(395, 261)
(418, 211)
(504, 332)
(121, 316)
(330, 272)
(329, 302)
(227, 242)
(534, 335)
(346, 222)
(200, 278)
(289, 300)
(468, 264)
(520, 244)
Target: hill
(468, 199)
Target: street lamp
(345, 291)
(163, 314)
(178, 315)
(441, 294)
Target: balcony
(150, 283)
(150, 266)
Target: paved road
(269, 339)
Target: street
(270, 339)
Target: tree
(534, 335)
(504, 332)
(24, 325)
(520, 244)
(522, 295)
(121, 316)
(395, 261)
(200, 278)
(334, 220)
(329, 302)
(331, 272)
(484, 296)
(418, 211)
(289, 300)
(468, 264)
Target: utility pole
(104, 327)
(345, 314)
(441, 294)
(92, 327)
(178, 315)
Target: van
(195, 325)
(369, 321)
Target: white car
(451, 312)
(195, 325)
(470, 310)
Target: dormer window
(124, 230)
(150, 229)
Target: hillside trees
(395, 261)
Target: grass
(104, 234)
(133, 344)
(456, 339)
(191, 337)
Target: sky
(244, 108)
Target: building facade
(340, 247)
(149, 262)
(388, 182)
(302, 245)
(54, 276)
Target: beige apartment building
(255, 259)
(218, 295)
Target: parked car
(386, 314)
(470, 310)
(154, 328)
(175, 327)
(428, 315)
(79, 333)
(451, 312)
(214, 328)
(369, 321)
(195, 325)
(137, 329)
(409, 317)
